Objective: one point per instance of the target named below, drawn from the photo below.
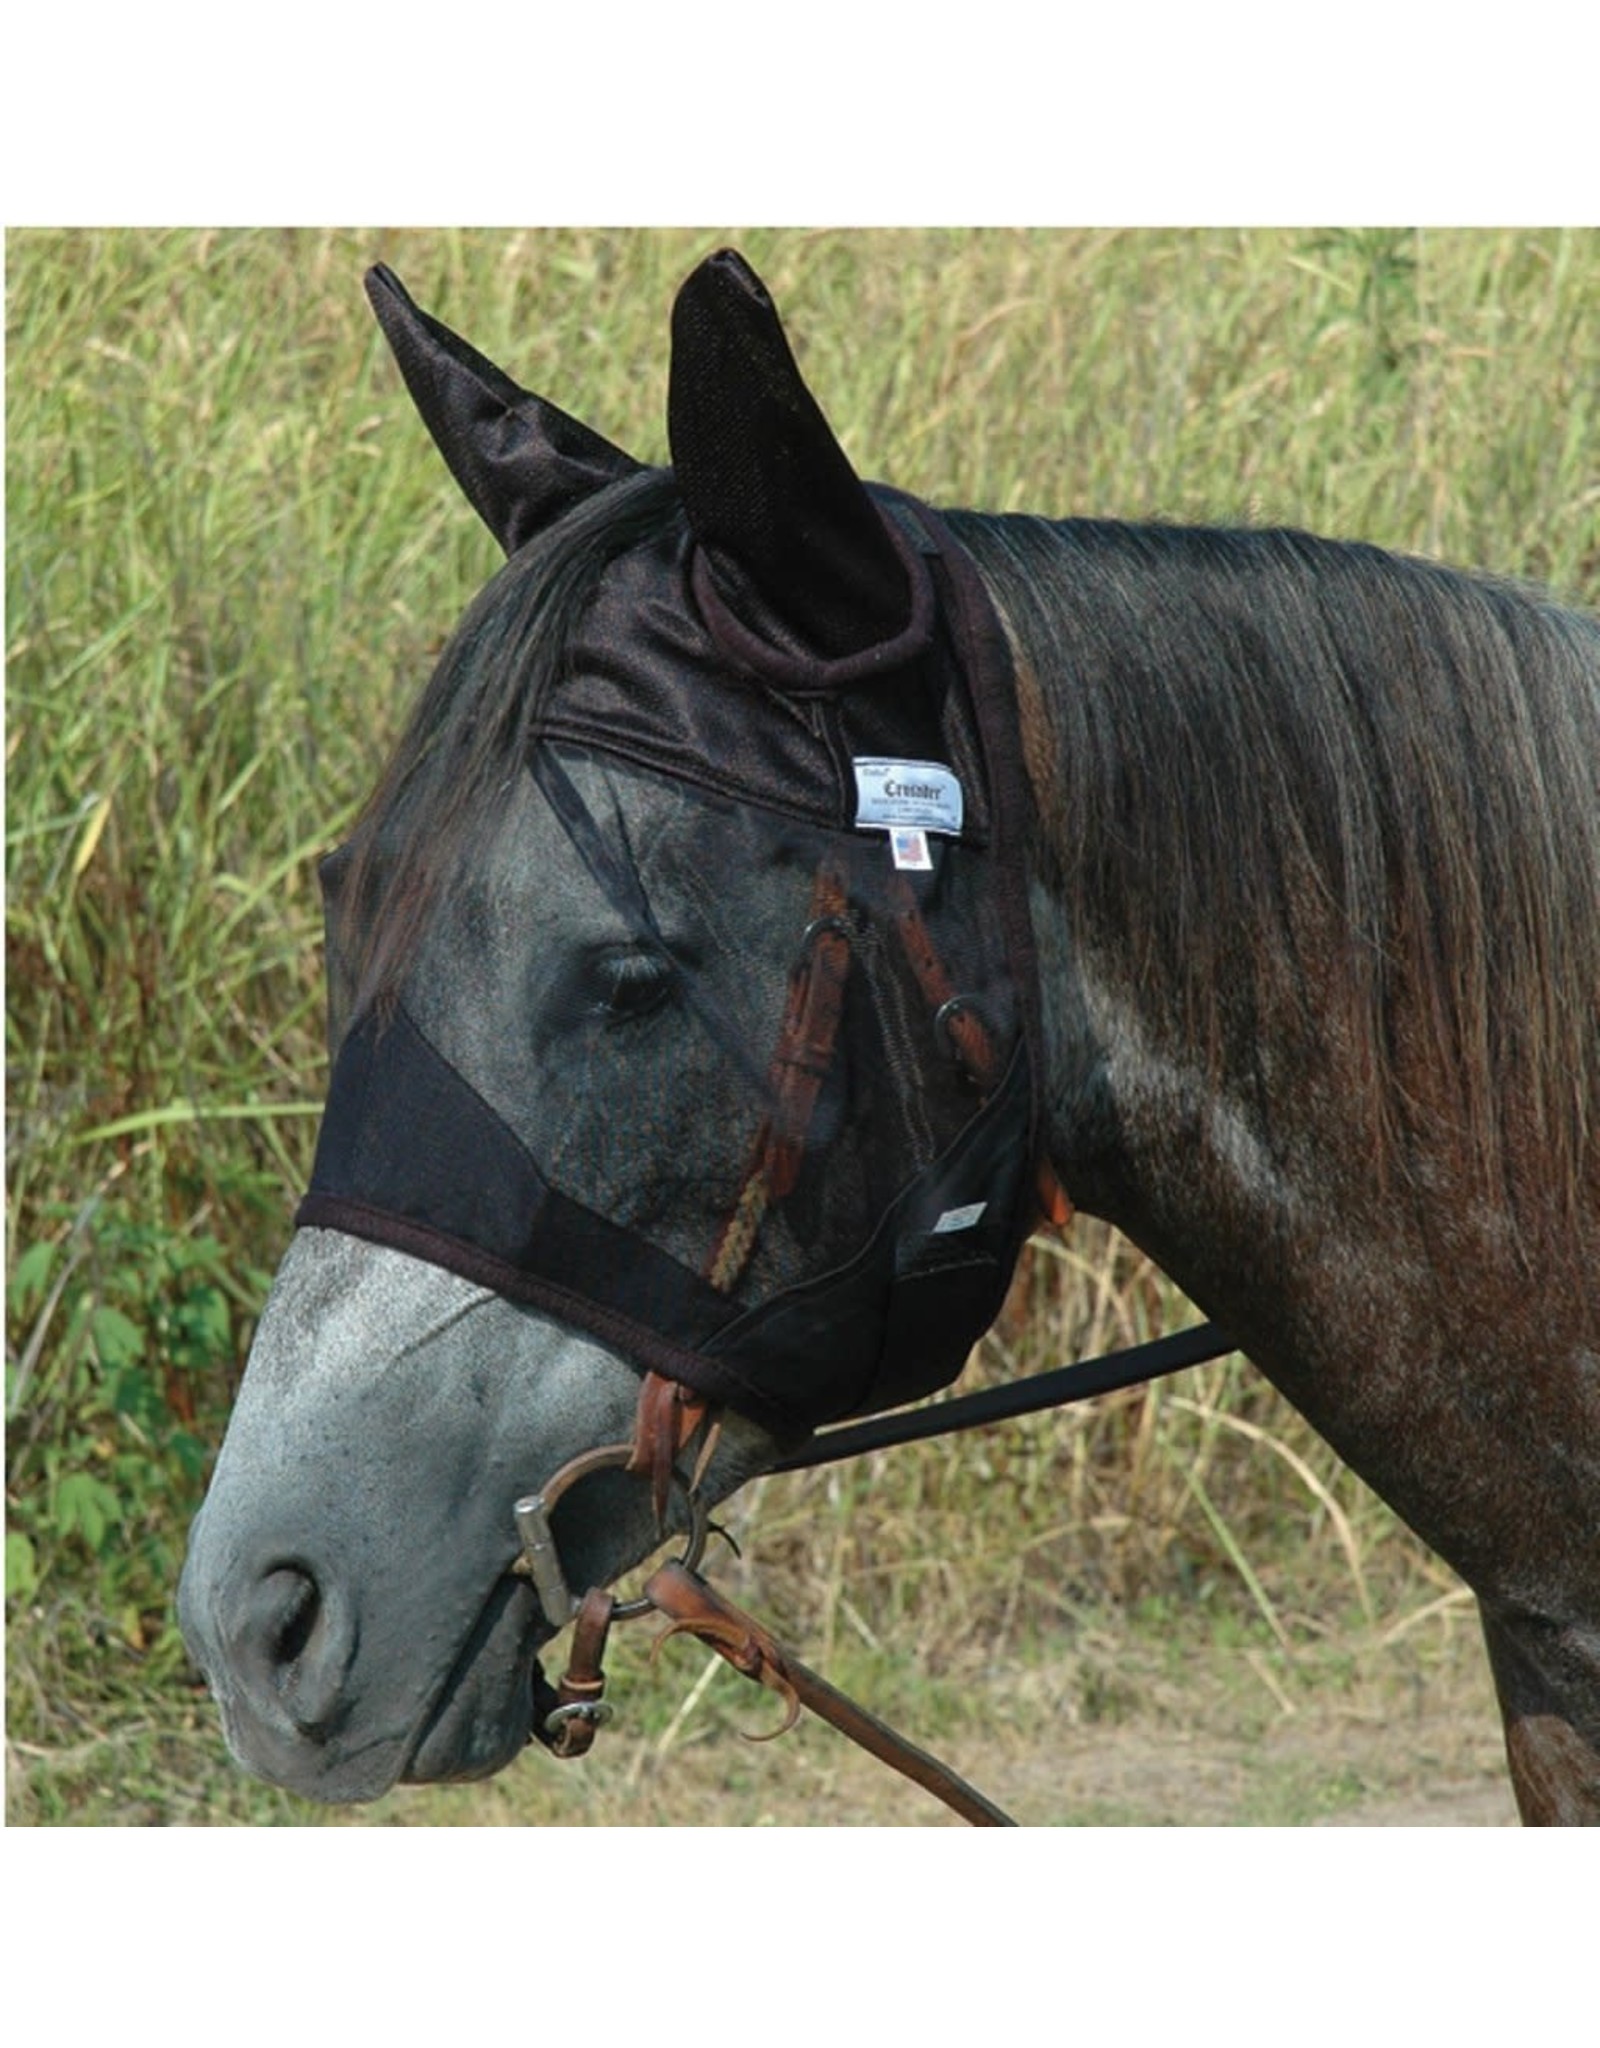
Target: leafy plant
(1379, 270)
(126, 1351)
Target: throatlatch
(765, 859)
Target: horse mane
(1260, 742)
(444, 788)
(1284, 770)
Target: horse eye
(629, 983)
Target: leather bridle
(674, 1423)
(568, 1715)
(672, 1418)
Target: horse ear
(795, 546)
(520, 460)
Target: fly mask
(791, 1158)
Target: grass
(231, 557)
(1158, 1717)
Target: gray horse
(1311, 846)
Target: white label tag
(909, 845)
(890, 793)
(959, 1219)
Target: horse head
(669, 1033)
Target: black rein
(1057, 1389)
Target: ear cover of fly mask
(521, 461)
(794, 544)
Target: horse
(1288, 946)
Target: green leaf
(187, 1452)
(194, 1113)
(29, 1275)
(117, 1340)
(86, 1507)
(203, 1319)
(22, 1566)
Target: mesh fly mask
(728, 1055)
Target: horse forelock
(1286, 778)
(434, 809)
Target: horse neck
(1275, 1127)
(1256, 1088)
(1147, 1134)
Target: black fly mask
(772, 812)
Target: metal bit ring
(538, 1559)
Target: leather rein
(567, 1716)
(673, 1422)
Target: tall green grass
(231, 558)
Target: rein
(670, 1417)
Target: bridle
(674, 1423)
(670, 1418)
(568, 1716)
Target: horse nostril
(291, 1606)
(291, 1650)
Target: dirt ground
(1124, 1731)
(1186, 1723)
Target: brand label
(891, 793)
(958, 1219)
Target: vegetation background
(231, 558)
